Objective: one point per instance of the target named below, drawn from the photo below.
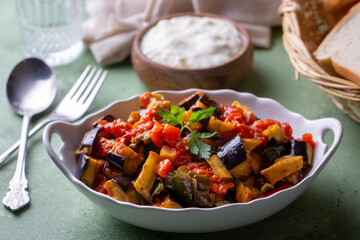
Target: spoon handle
(18, 197)
(15, 146)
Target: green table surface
(328, 209)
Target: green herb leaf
(206, 135)
(200, 115)
(198, 147)
(175, 109)
(175, 117)
(169, 117)
(180, 116)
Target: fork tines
(87, 86)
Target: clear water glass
(51, 29)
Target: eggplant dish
(196, 153)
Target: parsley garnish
(175, 117)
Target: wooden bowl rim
(241, 29)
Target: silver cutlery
(73, 106)
(31, 88)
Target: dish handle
(62, 129)
(325, 125)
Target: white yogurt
(192, 42)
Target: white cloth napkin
(113, 24)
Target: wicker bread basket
(303, 29)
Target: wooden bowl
(230, 74)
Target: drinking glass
(51, 29)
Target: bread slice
(340, 49)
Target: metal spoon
(31, 89)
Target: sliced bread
(340, 50)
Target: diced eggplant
(88, 169)
(168, 202)
(219, 167)
(251, 143)
(149, 146)
(301, 148)
(211, 103)
(111, 172)
(115, 191)
(242, 170)
(256, 162)
(293, 178)
(232, 153)
(224, 130)
(125, 182)
(146, 179)
(87, 142)
(115, 160)
(282, 169)
(188, 102)
(132, 159)
(108, 118)
(274, 151)
(120, 189)
(243, 193)
(221, 201)
(81, 165)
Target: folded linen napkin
(113, 24)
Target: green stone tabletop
(328, 209)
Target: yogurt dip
(192, 42)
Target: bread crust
(326, 56)
(346, 72)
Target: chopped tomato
(232, 114)
(145, 99)
(164, 133)
(126, 139)
(260, 125)
(182, 153)
(102, 122)
(117, 128)
(156, 134)
(171, 134)
(287, 129)
(163, 168)
(307, 137)
(221, 188)
(244, 130)
(103, 146)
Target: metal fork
(73, 106)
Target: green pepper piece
(182, 184)
(203, 188)
(193, 188)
